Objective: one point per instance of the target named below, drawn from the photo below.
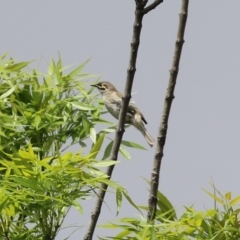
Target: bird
(112, 99)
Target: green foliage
(41, 116)
(214, 224)
(48, 109)
(30, 195)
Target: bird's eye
(102, 87)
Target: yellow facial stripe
(102, 87)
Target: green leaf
(97, 146)
(124, 233)
(2, 133)
(4, 55)
(153, 233)
(44, 164)
(77, 70)
(130, 201)
(125, 153)
(105, 163)
(59, 63)
(37, 121)
(7, 173)
(24, 182)
(3, 202)
(16, 66)
(214, 197)
(92, 134)
(108, 150)
(57, 73)
(24, 155)
(86, 125)
(50, 68)
(78, 206)
(234, 201)
(6, 94)
(118, 199)
(132, 145)
(82, 106)
(166, 206)
(110, 129)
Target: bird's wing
(132, 108)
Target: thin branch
(140, 4)
(120, 128)
(166, 111)
(152, 6)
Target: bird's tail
(150, 140)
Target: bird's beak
(94, 85)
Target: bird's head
(104, 87)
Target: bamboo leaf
(25, 182)
(235, 201)
(108, 150)
(50, 68)
(214, 197)
(130, 201)
(3, 202)
(78, 206)
(4, 55)
(97, 146)
(105, 163)
(6, 94)
(166, 206)
(93, 134)
(16, 66)
(37, 121)
(228, 196)
(125, 153)
(118, 199)
(77, 70)
(132, 145)
(82, 106)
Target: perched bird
(113, 102)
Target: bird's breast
(112, 106)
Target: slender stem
(140, 4)
(120, 128)
(152, 6)
(152, 202)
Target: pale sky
(204, 132)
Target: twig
(166, 111)
(140, 4)
(152, 6)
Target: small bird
(113, 102)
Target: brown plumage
(113, 102)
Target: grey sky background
(204, 132)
